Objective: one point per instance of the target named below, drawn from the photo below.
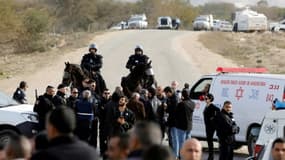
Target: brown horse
(74, 75)
(140, 77)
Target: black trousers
(210, 134)
(226, 151)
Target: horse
(140, 77)
(74, 76)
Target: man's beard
(121, 104)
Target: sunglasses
(75, 92)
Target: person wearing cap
(92, 61)
(61, 92)
(138, 58)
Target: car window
(6, 100)
(197, 89)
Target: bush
(34, 24)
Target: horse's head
(66, 79)
(72, 74)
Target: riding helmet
(93, 46)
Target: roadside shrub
(34, 24)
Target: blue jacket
(84, 109)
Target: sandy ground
(205, 60)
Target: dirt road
(176, 55)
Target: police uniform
(226, 130)
(20, 96)
(91, 62)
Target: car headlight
(30, 117)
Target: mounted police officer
(91, 64)
(138, 58)
(92, 61)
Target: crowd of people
(72, 119)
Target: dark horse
(74, 75)
(142, 76)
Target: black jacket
(226, 127)
(65, 147)
(171, 103)
(137, 59)
(91, 62)
(20, 96)
(183, 115)
(44, 104)
(129, 117)
(210, 113)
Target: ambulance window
(200, 88)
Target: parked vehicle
(224, 26)
(277, 26)
(265, 152)
(248, 20)
(120, 26)
(16, 118)
(164, 22)
(176, 22)
(215, 24)
(203, 22)
(138, 21)
(251, 93)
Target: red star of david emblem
(239, 93)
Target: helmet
(139, 47)
(93, 46)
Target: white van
(164, 22)
(251, 93)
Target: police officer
(84, 109)
(137, 59)
(226, 130)
(46, 103)
(20, 93)
(92, 62)
(210, 113)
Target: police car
(251, 92)
(16, 118)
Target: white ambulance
(251, 92)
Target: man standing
(191, 150)
(62, 143)
(61, 92)
(171, 104)
(124, 118)
(46, 103)
(210, 114)
(183, 121)
(20, 93)
(226, 130)
(278, 149)
(84, 110)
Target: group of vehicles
(139, 21)
(246, 20)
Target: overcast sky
(240, 3)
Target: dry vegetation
(12, 64)
(249, 49)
